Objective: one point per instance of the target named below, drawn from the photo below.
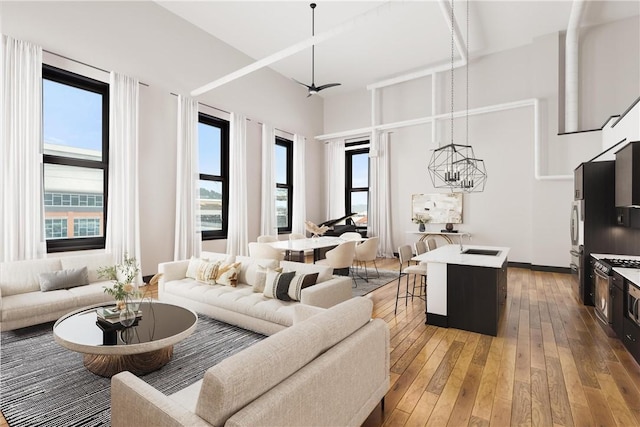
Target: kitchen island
(466, 289)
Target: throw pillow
(194, 265)
(260, 278)
(299, 282)
(227, 274)
(63, 279)
(207, 272)
(277, 285)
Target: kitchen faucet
(461, 248)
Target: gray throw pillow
(63, 279)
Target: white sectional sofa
(23, 303)
(240, 305)
(331, 369)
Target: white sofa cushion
(33, 304)
(18, 277)
(92, 261)
(324, 273)
(92, 293)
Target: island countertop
(450, 254)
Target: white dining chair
(265, 238)
(351, 235)
(264, 251)
(341, 258)
(367, 251)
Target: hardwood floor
(550, 365)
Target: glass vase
(127, 316)
(421, 228)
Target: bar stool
(404, 255)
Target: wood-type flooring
(550, 365)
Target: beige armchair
(264, 251)
(367, 251)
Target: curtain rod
(85, 64)
(225, 111)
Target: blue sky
(72, 117)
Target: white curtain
(299, 214)
(21, 217)
(123, 226)
(379, 194)
(237, 236)
(188, 239)
(334, 167)
(268, 225)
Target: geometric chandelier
(455, 166)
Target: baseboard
(549, 269)
(437, 320)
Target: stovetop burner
(626, 263)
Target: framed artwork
(437, 208)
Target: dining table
(320, 245)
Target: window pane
(359, 205)
(86, 227)
(360, 170)
(64, 189)
(282, 207)
(209, 149)
(210, 203)
(72, 121)
(281, 164)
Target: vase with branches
(124, 279)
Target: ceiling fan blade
(319, 88)
(300, 83)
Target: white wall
(515, 210)
(146, 41)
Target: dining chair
(264, 251)
(432, 244)
(421, 247)
(351, 235)
(265, 238)
(341, 258)
(404, 255)
(367, 251)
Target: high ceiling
(399, 37)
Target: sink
(490, 252)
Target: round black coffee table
(108, 348)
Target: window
(357, 182)
(213, 159)
(75, 117)
(284, 184)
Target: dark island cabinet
(617, 304)
(631, 337)
(476, 297)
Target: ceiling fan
(313, 89)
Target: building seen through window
(75, 156)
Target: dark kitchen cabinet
(631, 338)
(617, 304)
(595, 183)
(628, 175)
(476, 297)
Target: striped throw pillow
(287, 286)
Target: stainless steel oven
(602, 291)
(633, 298)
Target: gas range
(606, 263)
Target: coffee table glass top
(159, 322)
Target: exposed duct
(572, 66)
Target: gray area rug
(374, 283)
(44, 384)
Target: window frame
(349, 188)
(223, 125)
(288, 145)
(78, 81)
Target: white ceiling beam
(445, 7)
(291, 50)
